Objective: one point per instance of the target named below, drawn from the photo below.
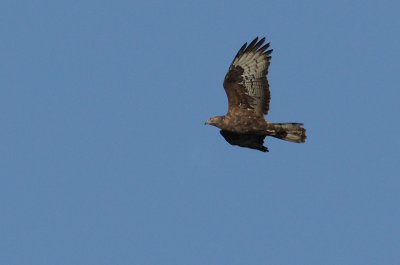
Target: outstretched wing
(246, 83)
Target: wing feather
(246, 83)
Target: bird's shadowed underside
(247, 140)
(292, 132)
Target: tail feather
(292, 132)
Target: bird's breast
(245, 124)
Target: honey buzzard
(247, 88)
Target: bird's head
(214, 121)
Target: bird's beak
(206, 123)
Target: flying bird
(247, 89)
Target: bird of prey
(247, 88)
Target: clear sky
(105, 159)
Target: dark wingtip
(252, 44)
(266, 46)
(241, 50)
(259, 43)
(263, 149)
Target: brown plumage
(247, 88)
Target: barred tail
(292, 132)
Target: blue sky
(105, 158)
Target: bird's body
(243, 123)
(247, 89)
